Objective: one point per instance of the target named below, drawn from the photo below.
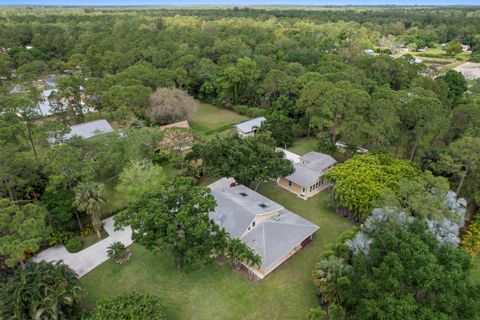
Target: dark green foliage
(408, 274)
(74, 244)
(456, 83)
(246, 159)
(133, 306)
(41, 291)
(176, 218)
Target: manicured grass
(218, 292)
(208, 119)
(304, 145)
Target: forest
(367, 77)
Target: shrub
(118, 252)
(129, 306)
(252, 112)
(86, 230)
(41, 291)
(74, 245)
(60, 237)
(161, 157)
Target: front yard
(215, 292)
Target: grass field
(209, 119)
(304, 145)
(218, 292)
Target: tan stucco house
(269, 229)
(307, 180)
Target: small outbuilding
(85, 130)
(307, 180)
(249, 128)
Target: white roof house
(85, 130)
(248, 128)
(272, 231)
(45, 106)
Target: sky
(235, 2)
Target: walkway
(88, 259)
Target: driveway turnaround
(88, 259)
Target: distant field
(209, 119)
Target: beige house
(307, 180)
(269, 229)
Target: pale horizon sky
(237, 3)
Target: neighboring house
(343, 147)
(369, 52)
(248, 128)
(307, 180)
(272, 231)
(45, 106)
(84, 130)
(470, 70)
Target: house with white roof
(85, 130)
(269, 229)
(307, 180)
(248, 128)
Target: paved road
(88, 259)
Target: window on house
(263, 205)
(310, 188)
(289, 183)
(243, 194)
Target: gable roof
(277, 236)
(317, 161)
(86, 130)
(250, 125)
(312, 166)
(272, 238)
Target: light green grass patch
(209, 118)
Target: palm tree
(329, 275)
(42, 291)
(118, 252)
(89, 198)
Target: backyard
(219, 292)
(209, 119)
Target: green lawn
(304, 145)
(209, 119)
(215, 292)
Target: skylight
(263, 205)
(243, 194)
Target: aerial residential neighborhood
(218, 160)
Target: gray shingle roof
(86, 130)
(277, 236)
(250, 125)
(272, 238)
(312, 166)
(303, 176)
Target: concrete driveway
(88, 259)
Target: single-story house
(84, 130)
(269, 229)
(248, 128)
(307, 180)
(45, 106)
